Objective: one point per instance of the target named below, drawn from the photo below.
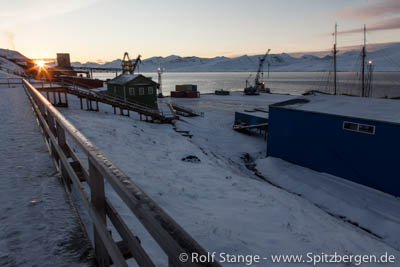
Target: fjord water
(385, 84)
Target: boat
(221, 92)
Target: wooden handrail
(170, 236)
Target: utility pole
(334, 61)
(160, 72)
(363, 65)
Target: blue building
(354, 138)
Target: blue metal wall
(318, 141)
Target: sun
(40, 63)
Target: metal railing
(170, 236)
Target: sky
(102, 30)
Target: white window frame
(150, 90)
(359, 125)
(141, 91)
(131, 91)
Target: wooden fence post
(96, 183)
(63, 145)
(66, 99)
(52, 126)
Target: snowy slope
(11, 54)
(218, 201)
(385, 58)
(357, 203)
(8, 66)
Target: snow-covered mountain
(386, 57)
(7, 66)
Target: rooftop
(357, 107)
(123, 79)
(259, 114)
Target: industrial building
(350, 137)
(135, 88)
(63, 60)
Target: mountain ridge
(384, 57)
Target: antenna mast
(363, 65)
(334, 61)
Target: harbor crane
(129, 67)
(259, 85)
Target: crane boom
(260, 69)
(128, 67)
(258, 84)
(137, 62)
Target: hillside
(384, 56)
(7, 66)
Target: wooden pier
(92, 100)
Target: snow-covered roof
(6, 53)
(9, 66)
(123, 79)
(357, 107)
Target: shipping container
(177, 94)
(186, 87)
(192, 94)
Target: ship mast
(363, 65)
(334, 61)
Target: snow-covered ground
(220, 202)
(37, 225)
(371, 209)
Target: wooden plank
(63, 145)
(242, 127)
(66, 99)
(132, 242)
(96, 183)
(61, 137)
(52, 126)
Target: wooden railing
(171, 237)
(10, 81)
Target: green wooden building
(134, 87)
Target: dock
(55, 90)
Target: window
(357, 127)
(350, 126)
(141, 91)
(368, 129)
(131, 91)
(150, 90)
